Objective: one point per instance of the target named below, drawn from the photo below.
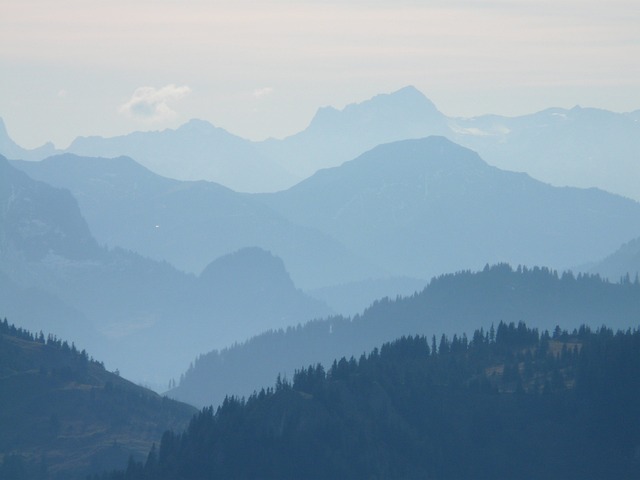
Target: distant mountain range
(405, 210)
(414, 208)
(149, 273)
(195, 151)
(423, 207)
(191, 223)
(454, 303)
(335, 136)
(142, 316)
(582, 147)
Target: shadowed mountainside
(64, 416)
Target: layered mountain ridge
(142, 316)
(191, 223)
(453, 303)
(581, 147)
(425, 207)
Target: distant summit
(580, 147)
(427, 206)
(199, 126)
(251, 285)
(405, 105)
(246, 268)
(335, 136)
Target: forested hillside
(63, 416)
(505, 403)
(451, 303)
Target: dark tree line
(451, 303)
(51, 341)
(63, 416)
(510, 402)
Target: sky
(262, 68)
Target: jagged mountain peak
(408, 104)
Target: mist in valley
(334, 255)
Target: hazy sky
(262, 68)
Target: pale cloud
(152, 104)
(262, 92)
(62, 93)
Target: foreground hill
(509, 403)
(449, 304)
(424, 207)
(139, 315)
(63, 416)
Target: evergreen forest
(509, 402)
(63, 415)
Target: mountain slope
(64, 416)
(449, 304)
(39, 220)
(516, 403)
(40, 225)
(250, 289)
(624, 262)
(428, 206)
(142, 316)
(191, 223)
(581, 147)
